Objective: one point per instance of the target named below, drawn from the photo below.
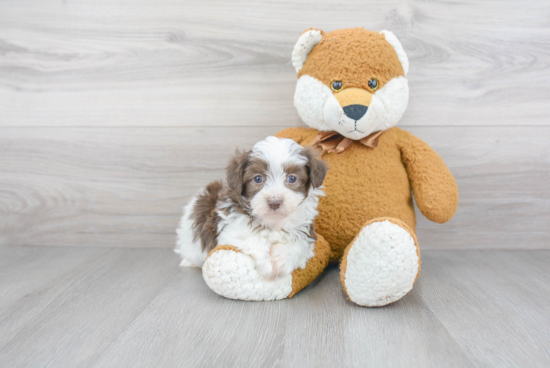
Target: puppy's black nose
(355, 112)
(274, 204)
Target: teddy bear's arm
(434, 186)
(296, 134)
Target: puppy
(265, 208)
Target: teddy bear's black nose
(355, 112)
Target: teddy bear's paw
(381, 265)
(234, 275)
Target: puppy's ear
(235, 171)
(316, 167)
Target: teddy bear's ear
(303, 47)
(390, 37)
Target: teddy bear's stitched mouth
(355, 129)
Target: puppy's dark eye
(258, 179)
(373, 84)
(336, 86)
(291, 179)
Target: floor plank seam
(449, 333)
(32, 318)
(120, 331)
(54, 281)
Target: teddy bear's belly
(362, 184)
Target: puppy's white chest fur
(276, 252)
(247, 238)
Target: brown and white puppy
(265, 208)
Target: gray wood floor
(120, 307)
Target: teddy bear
(351, 92)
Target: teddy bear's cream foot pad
(233, 275)
(381, 265)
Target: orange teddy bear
(352, 90)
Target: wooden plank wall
(113, 112)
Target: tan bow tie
(335, 142)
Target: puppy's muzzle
(274, 204)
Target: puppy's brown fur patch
(317, 168)
(235, 180)
(255, 167)
(302, 183)
(205, 217)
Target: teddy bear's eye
(336, 86)
(373, 84)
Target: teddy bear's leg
(233, 274)
(381, 264)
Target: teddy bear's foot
(233, 274)
(382, 263)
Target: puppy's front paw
(265, 268)
(281, 260)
